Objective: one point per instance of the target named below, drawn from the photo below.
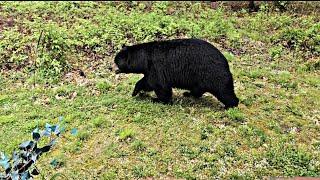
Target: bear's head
(130, 59)
(121, 61)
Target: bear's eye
(123, 56)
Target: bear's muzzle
(115, 68)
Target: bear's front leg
(141, 85)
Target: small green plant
(83, 135)
(248, 101)
(110, 175)
(126, 134)
(111, 150)
(275, 52)
(138, 145)
(226, 149)
(103, 86)
(235, 114)
(255, 73)
(206, 131)
(230, 57)
(139, 171)
(188, 152)
(284, 78)
(98, 121)
(255, 137)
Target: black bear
(190, 64)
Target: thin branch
(35, 61)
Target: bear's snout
(115, 68)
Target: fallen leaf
(73, 95)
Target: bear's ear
(124, 46)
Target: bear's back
(183, 62)
(173, 43)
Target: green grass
(273, 56)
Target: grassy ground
(273, 56)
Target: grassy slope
(274, 132)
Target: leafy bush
(52, 59)
(104, 31)
(79, 31)
(22, 163)
(298, 38)
(14, 49)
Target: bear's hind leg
(164, 95)
(194, 93)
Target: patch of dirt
(76, 76)
(6, 22)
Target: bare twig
(35, 61)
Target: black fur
(190, 64)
